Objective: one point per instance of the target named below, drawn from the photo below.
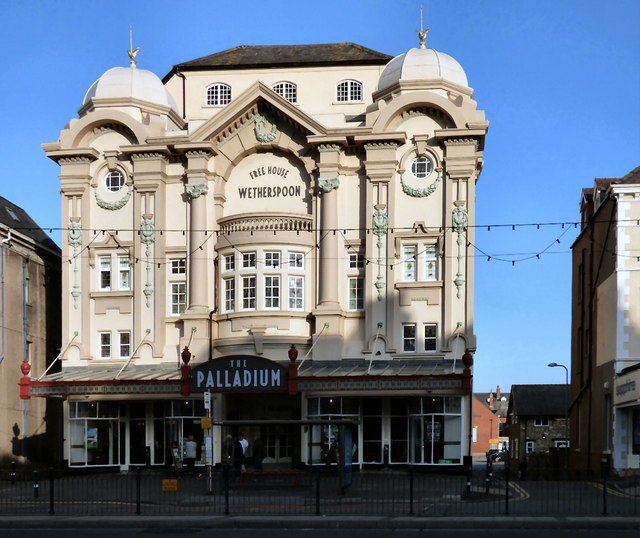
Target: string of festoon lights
(479, 251)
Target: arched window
(288, 90)
(218, 94)
(349, 91)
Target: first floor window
(248, 292)
(105, 345)
(125, 344)
(296, 260)
(296, 292)
(272, 291)
(229, 263)
(529, 446)
(430, 336)
(409, 254)
(124, 272)
(356, 293)
(178, 297)
(105, 272)
(430, 263)
(272, 259)
(229, 285)
(409, 337)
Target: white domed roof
(130, 82)
(422, 64)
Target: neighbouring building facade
(489, 421)
(269, 239)
(30, 278)
(538, 424)
(605, 364)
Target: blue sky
(559, 81)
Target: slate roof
(262, 56)
(16, 218)
(539, 400)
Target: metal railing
(480, 492)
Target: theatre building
(266, 239)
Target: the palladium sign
(239, 373)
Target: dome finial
(422, 33)
(132, 52)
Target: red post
(25, 380)
(185, 372)
(467, 360)
(293, 370)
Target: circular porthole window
(114, 180)
(422, 167)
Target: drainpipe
(2, 249)
(25, 341)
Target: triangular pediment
(259, 99)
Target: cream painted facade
(240, 207)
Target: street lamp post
(566, 413)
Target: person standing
(190, 451)
(245, 449)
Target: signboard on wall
(239, 373)
(267, 182)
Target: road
(151, 532)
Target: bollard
(138, 491)
(410, 490)
(51, 496)
(506, 491)
(36, 485)
(13, 473)
(226, 470)
(318, 492)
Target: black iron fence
(489, 491)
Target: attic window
(218, 94)
(12, 214)
(349, 91)
(287, 90)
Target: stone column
(329, 249)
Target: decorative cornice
(197, 153)
(196, 190)
(74, 160)
(326, 185)
(151, 156)
(461, 142)
(372, 146)
(329, 147)
(422, 111)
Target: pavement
(325, 522)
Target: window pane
(125, 344)
(409, 337)
(272, 292)
(249, 260)
(105, 272)
(296, 260)
(249, 292)
(178, 267)
(356, 293)
(430, 263)
(296, 299)
(229, 294)
(430, 336)
(272, 259)
(124, 269)
(409, 255)
(178, 297)
(229, 263)
(105, 345)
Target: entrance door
(137, 442)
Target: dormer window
(287, 90)
(349, 91)
(218, 94)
